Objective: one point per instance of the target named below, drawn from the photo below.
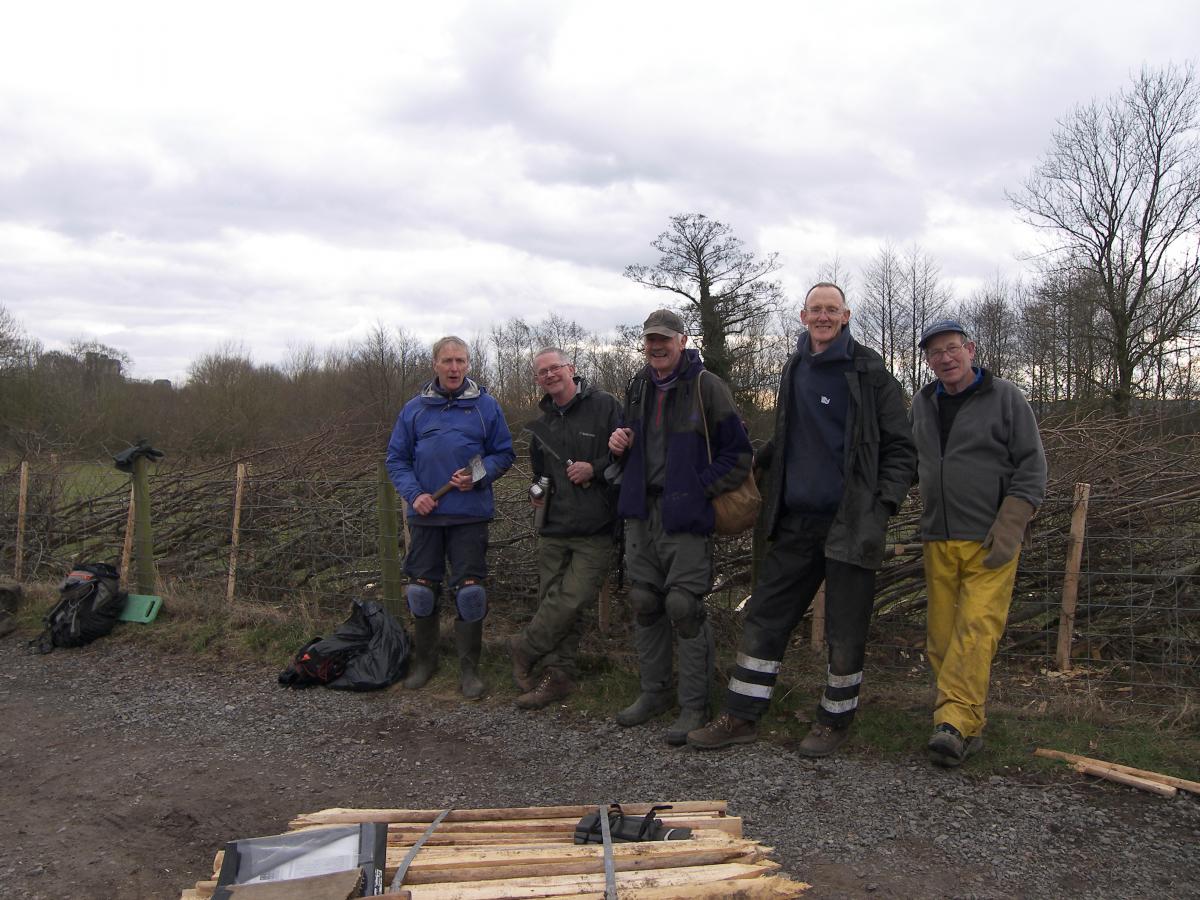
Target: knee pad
(471, 600)
(422, 598)
(686, 611)
(647, 604)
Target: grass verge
(893, 722)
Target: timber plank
(573, 885)
(533, 864)
(345, 816)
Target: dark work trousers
(465, 545)
(794, 567)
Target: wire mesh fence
(309, 525)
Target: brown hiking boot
(522, 665)
(554, 685)
(723, 731)
(822, 740)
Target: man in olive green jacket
(569, 447)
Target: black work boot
(948, 748)
(425, 652)
(468, 638)
(648, 705)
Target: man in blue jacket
(439, 431)
(683, 443)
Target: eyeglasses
(949, 350)
(550, 370)
(831, 311)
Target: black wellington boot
(468, 637)
(425, 652)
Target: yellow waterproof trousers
(968, 607)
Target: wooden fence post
(239, 486)
(127, 546)
(389, 564)
(818, 619)
(143, 533)
(1070, 594)
(22, 506)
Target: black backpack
(89, 604)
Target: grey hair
(442, 343)
(562, 354)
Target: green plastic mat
(141, 608)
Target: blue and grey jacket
(691, 480)
(436, 434)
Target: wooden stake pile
(1142, 779)
(529, 852)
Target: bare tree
(878, 319)
(723, 288)
(1118, 196)
(923, 300)
(992, 318)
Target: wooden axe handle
(443, 490)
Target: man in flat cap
(682, 444)
(982, 474)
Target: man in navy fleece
(839, 465)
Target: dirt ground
(124, 771)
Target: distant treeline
(80, 401)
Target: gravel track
(124, 770)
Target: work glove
(1004, 537)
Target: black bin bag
(366, 652)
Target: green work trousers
(571, 571)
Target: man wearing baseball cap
(670, 475)
(982, 473)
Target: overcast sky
(178, 176)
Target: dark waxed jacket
(579, 431)
(879, 464)
(691, 480)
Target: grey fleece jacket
(994, 451)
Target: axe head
(478, 472)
